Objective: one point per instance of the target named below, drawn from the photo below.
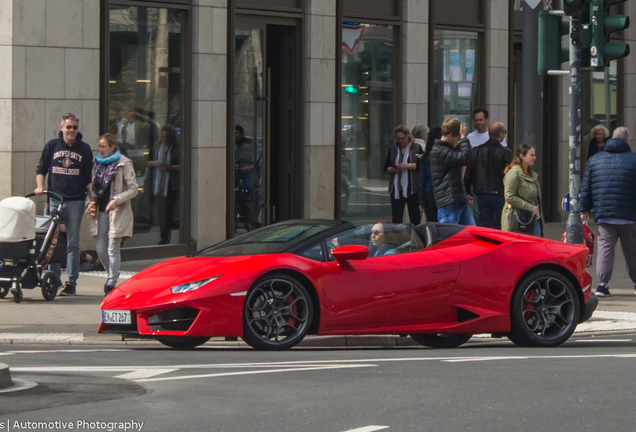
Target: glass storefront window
(455, 76)
(145, 108)
(368, 119)
(603, 85)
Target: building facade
(275, 109)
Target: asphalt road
(587, 384)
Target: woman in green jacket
(521, 187)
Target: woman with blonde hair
(403, 163)
(114, 185)
(600, 135)
(522, 212)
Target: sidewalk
(75, 320)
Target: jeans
(490, 209)
(72, 213)
(455, 214)
(108, 249)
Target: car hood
(181, 270)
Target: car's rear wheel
(441, 340)
(544, 311)
(277, 313)
(183, 342)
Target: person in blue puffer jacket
(609, 189)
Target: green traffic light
(352, 90)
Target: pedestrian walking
(600, 135)
(403, 163)
(425, 188)
(114, 184)
(608, 189)
(522, 212)
(448, 157)
(68, 161)
(485, 174)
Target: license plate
(116, 317)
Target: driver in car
(379, 240)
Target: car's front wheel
(441, 340)
(183, 342)
(277, 313)
(545, 310)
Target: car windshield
(269, 240)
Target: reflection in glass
(144, 103)
(249, 112)
(455, 76)
(368, 119)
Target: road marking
(9, 353)
(603, 340)
(474, 359)
(256, 372)
(43, 337)
(367, 429)
(144, 373)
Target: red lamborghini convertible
(438, 283)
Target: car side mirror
(345, 254)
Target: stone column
(209, 113)
(321, 55)
(414, 37)
(497, 33)
(51, 68)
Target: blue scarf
(104, 172)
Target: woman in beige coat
(521, 187)
(114, 185)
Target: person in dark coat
(609, 189)
(403, 163)
(448, 157)
(425, 189)
(486, 173)
(600, 135)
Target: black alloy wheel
(441, 340)
(183, 342)
(277, 314)
(545, 310)
(4, 291)
(49, 286)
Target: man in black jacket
(69, 163)
(485, 174)
(448, 156)
(608, 189)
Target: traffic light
(551, 52)
(573, 7)
(603, 24)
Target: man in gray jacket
(448, 156)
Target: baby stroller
(27, 243)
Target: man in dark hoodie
(485, 174)
(69, 163)
(448, 156)
(608, 188)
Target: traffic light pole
(574, 227)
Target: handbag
(521, 221)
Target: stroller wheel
(49, 286)
(3, 292)
(17, 294)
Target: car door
(386, 290)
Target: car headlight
(191, 286)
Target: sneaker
(602, 290)
(108, 288)
(69, 289)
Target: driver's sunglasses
(376, 232)
(72, 127)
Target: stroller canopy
(17, 219)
